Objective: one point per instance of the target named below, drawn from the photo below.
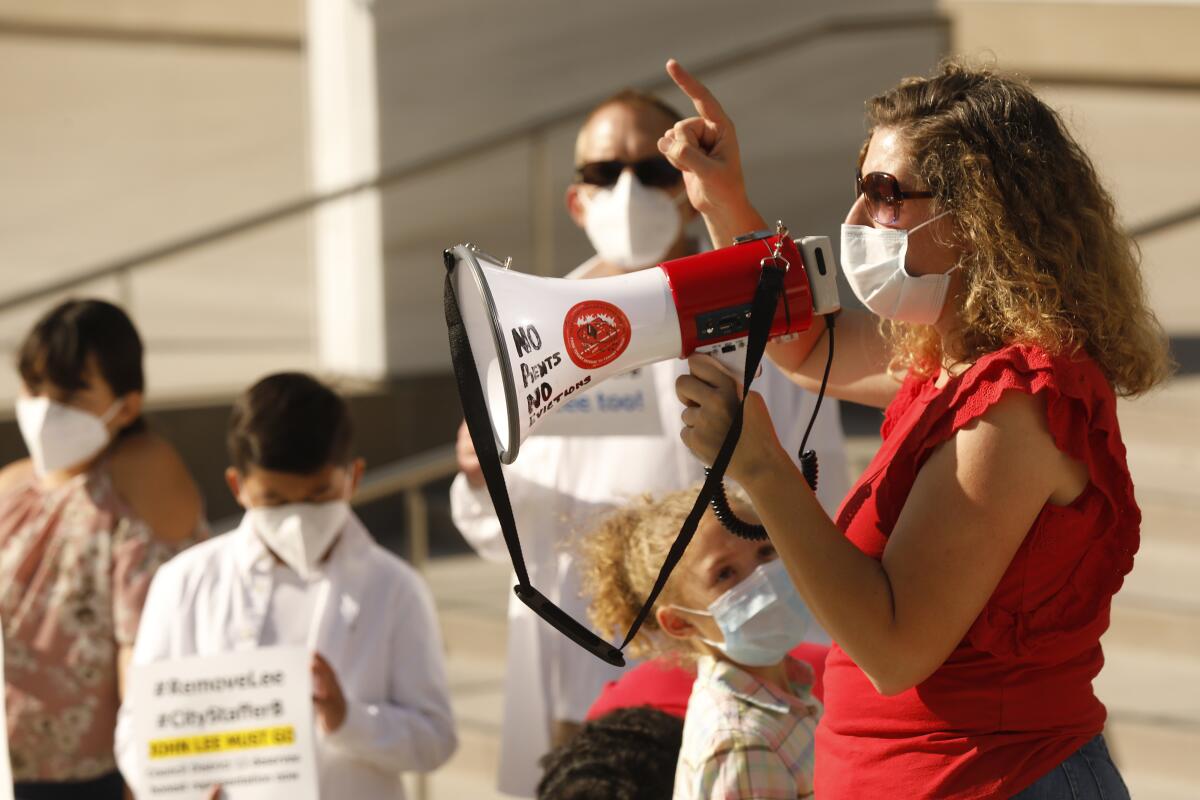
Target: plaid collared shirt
(746, 740)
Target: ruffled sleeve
(1059, 587)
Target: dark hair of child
(289, 422)
(629, 754)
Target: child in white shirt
(301, 570)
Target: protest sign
(242, 720)
(625, 405)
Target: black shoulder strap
(478, 423)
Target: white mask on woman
(630, 225)
(873, 262)
(762, 618)
(59, 436)
(300, 533)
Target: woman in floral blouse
(84, 521)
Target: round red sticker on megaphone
(595, 333)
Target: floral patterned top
(75, 565)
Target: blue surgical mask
(762, 618)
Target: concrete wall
(1134, 41)
(448, 78)
(265, 19)
(121, 138)
(132, 124)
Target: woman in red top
(970, 572)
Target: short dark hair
(56, 350)
(289, 422)
(629, 754)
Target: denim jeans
(1087, 774)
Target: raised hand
(705, 148)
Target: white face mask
(300, 533)
(762, 618)
(873, 263)
(632, 226)
(60, 436)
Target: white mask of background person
(67, 430)
(628, 133)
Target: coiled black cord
(808, 463)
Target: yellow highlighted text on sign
(222, 742)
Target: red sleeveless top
(1015, 697)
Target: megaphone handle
(752, 530)
(809, 466)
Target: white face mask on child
(300, 533)
(762, 618)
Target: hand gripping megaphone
(523, 345)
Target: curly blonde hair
(1045, 261)
(621, 560)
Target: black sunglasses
(654, 172)
(884, 195)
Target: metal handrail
(410, 476)
(149, 34)
(768, 47)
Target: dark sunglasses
(654, 172)
(884, 195)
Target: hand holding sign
(328, 701)
(234, 726)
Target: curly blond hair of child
(621, 560)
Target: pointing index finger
(706, 105)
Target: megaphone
(538, 342)
(523, 345)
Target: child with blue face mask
(731, 608)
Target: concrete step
(471, 771)
(471, 596)
(1152, 659)
(1158, 761)
(1168, 561)
(1163, 442)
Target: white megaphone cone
(537, 342)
